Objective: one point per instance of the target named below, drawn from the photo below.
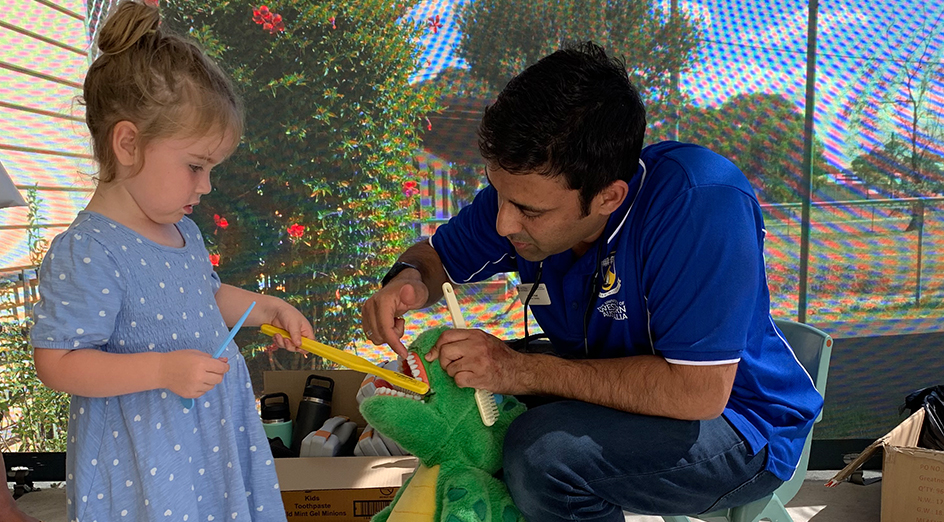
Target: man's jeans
(570, 460)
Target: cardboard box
(335, 489)
(912, 477)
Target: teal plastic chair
(813, 348)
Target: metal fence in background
(870, 259)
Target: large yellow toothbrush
(353, 362)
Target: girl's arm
(234, 301)
(94, 373)
(67, 332)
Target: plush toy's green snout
(444, 431)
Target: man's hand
(191, 373)
(382, 313)
(479, 360)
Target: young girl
(131, 308)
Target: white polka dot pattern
(152, 460)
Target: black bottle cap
(275, 410)
(318, 391)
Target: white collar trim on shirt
(641, 181)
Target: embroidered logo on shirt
(613, 309)
(611, 283)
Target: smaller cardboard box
(335, 489)
(912, 477)
(340, 489)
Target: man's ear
(125, 143)
(611, 197)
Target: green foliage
(39, 414)
(467, 181)
(900, 95)
(887, 168)
(763, 135)
(36, 416)
(313, 200)
(852, 279)
(500, 38)
(34, 237)
(457, 82)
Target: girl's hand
(191, 373)
(287, 317)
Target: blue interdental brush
(188, 403)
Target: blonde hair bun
(161, 82)
(129, 23)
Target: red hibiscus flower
(296, 231)
(269, 21)
(434, 23)
(411, 188)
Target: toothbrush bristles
(404, 390)
(488, 409)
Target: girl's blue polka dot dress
(143, 456)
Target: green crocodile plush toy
(458, 454)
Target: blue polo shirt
(678, 272)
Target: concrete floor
(814, 502)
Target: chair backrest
(812, 347)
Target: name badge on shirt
(540, 296)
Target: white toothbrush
(484, 399)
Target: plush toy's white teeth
(415, 367)
(398, 393)
(412, 367)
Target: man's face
(541, 216)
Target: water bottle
(277, 418)
(313, 410)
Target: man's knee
(536, 445)
(519, 441)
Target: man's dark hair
(573, 114)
